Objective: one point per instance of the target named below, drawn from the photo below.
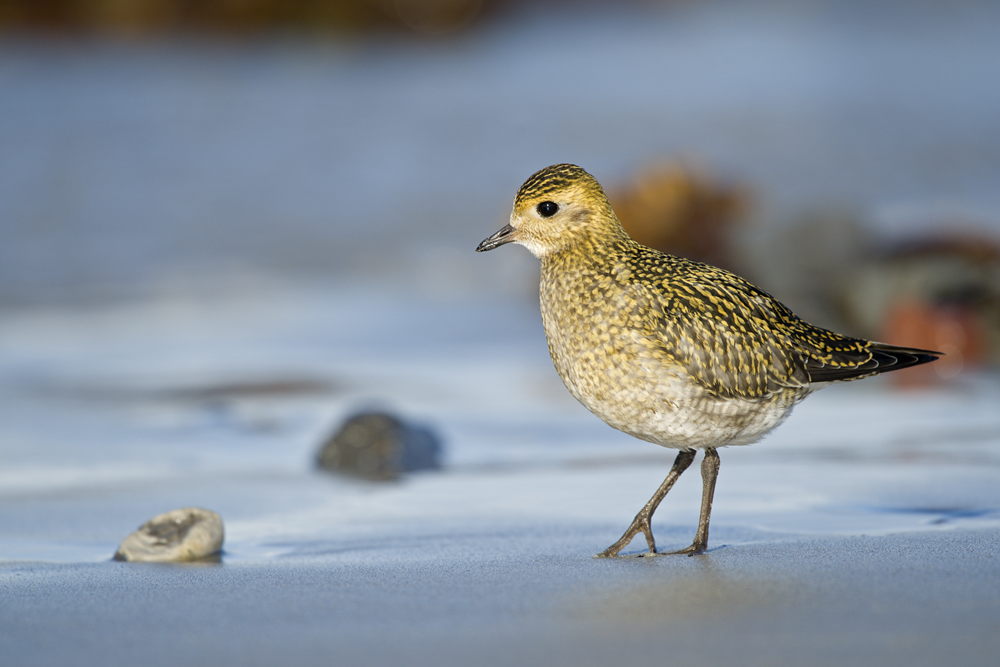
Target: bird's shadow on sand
(939, 515)
(660, 553)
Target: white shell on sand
(176, 536)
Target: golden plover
(672, 351)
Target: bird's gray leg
(709, 473)
(641, 522)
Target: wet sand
(865, 530)
(505, 597)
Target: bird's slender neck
(597, 243)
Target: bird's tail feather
(884, 358)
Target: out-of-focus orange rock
(940, 293)
(954, 329)
(678, 209)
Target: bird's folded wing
(738, 341)
(719, 337)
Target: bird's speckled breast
(607, 353)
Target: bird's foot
(695, 549)
(640, 524)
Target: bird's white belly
(672, 411)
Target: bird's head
(557, 208)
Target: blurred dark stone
(379, 446)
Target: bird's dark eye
(547, 209)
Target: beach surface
(866, 529)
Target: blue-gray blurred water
(134, 167)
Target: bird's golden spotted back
(729, 336)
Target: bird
(669, 350)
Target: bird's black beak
(505, 235)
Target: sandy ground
(864, 530)
(523, 595)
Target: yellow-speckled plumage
(669, 350)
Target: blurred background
(844, 155)
(236, 221)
